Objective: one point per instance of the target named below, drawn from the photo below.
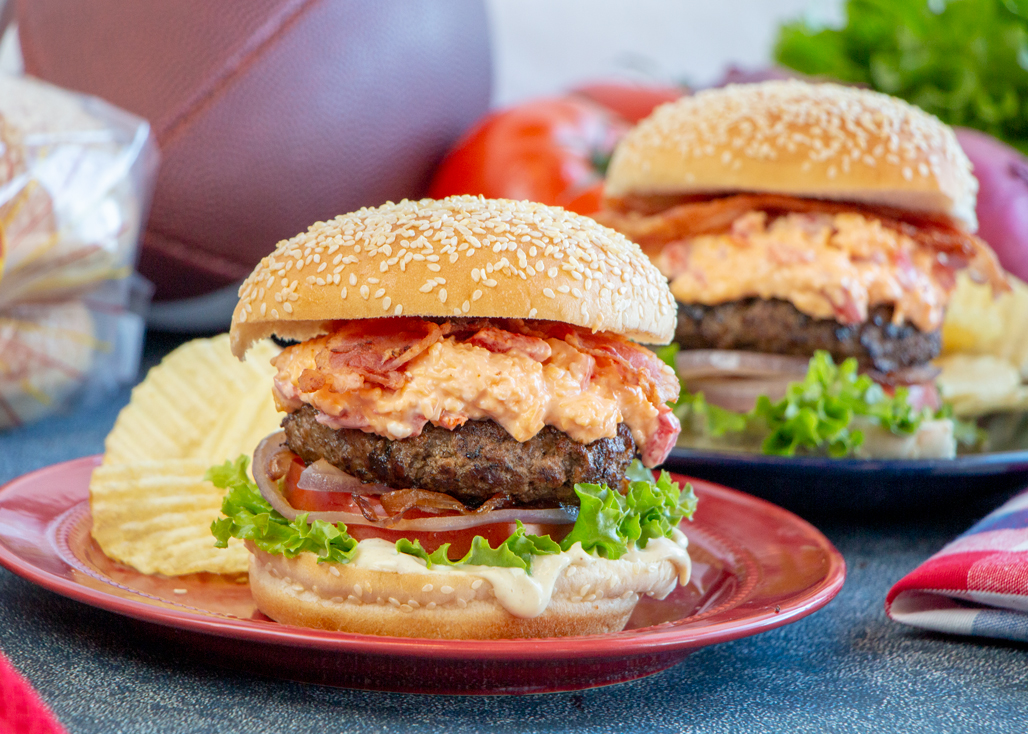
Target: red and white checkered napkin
(21, 710)
(976, 585)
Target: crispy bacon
(502, 341)
(653, 222)
(635, 365)
(376, 349)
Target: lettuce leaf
(816, 413)
(515, 552)
(248, 516)
(965, 61)
(608, 523)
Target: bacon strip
(376, 349)
(640, 220)
(502, 341)
(635, 365)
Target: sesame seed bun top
(822, 141)
(461, 256)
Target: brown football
(270, 114)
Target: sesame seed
(380, 292)
(476, 295)
(442, 295)
(365, 292)
(386, 302)
(446, 589)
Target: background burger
(464, 407)
(791, 218)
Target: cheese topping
(451, 382)
(828, 266)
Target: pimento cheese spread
(451, 382)
(828, 266)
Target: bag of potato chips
(76, 176)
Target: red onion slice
(694, 363)
(323, 477)
(270, 491)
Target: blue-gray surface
(845, 668)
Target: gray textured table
(846, 668)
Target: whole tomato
(552, 150)
(630, 102)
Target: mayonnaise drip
(654, 571)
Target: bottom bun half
(591, 595)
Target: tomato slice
(306, 500)
(921, 395)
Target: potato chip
(199, 407)
(978, 323)
(978, 384)
(156, 515)
(200, 401)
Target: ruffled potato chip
(985, 349)
(978, 384)
(156, 515)
(979, 323)
(200, 401)
(199, 407)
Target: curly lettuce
(965, 61)
(608, 525)
(816, 414)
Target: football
(269, 114)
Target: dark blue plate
(817, 486)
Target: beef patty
(472, 462)
(777, 327)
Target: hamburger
(795, 219)
(464, 411)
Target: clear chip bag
(76, 177)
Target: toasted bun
(595, 598)
(461, 256)
(821, 141)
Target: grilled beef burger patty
(777, 327)
(472, 462)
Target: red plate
(756, 567)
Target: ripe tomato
(631, 102)
(553, 151)
(920, 395)
(306, 500)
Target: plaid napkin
(977, 584)
(21, 711)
